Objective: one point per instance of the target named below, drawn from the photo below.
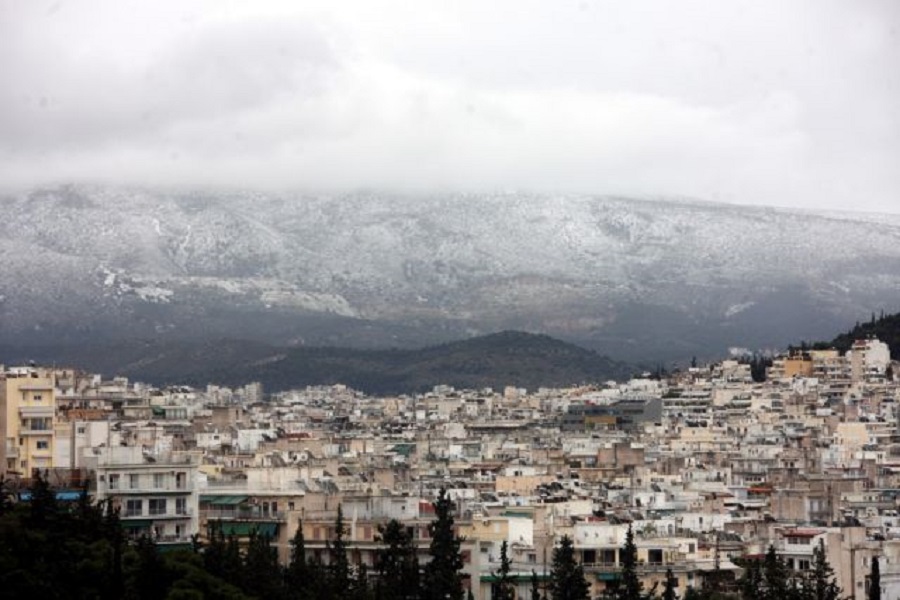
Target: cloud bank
(791, 104)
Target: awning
(243, 529)
(136, 523)
(223, 500)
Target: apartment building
(27, 419)
(157, 494)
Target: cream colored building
(28, 407)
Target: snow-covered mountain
(638, 279)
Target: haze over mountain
(639, 280)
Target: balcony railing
(246, 515)
(167, 514)
(150, 489)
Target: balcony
(39, 431)
(127, 515)
(29, 412)
(249, 514)
(120, 490)
(172, 539)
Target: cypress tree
(669, 589)
(263, 576)
(875, 580)
(339, 567)
(397, 563)
(751, 581)
(775, 578)
(442, 577)
(630, 586)
(821, 585)
(503, 587)
(535, 586)
(233, 563)
(297, 574)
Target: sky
(786, 103)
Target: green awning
(403, 449)
(136, 523)
(223, 500)
(243, 529)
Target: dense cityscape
(686, 481)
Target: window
(81, 431)
(37, 397)
(134, 508)
(181, 506)
(181, 480)
(157, 506)
(114, 481)
(42, 445)
(159, 480)
(134, 481)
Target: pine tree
(875, 580)
(567, 580)
(397, 563)
(442, 577)
(669, 589)
(503, 588)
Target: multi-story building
(156, 494)
(27, 418)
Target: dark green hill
(496, 360)
(886, 329)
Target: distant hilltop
(508, 358)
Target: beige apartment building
(27, 420)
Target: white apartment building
(157, 494)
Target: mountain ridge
(640, 279)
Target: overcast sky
(763, 102)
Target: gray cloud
(785, 103)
